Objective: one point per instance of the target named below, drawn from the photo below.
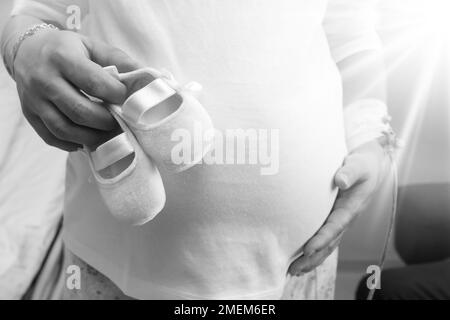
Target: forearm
(364, 98)
(15, 27)
(364, 77)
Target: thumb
(352, 172)
(107, 55)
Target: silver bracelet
(390, 141)
(28, 33)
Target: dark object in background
(423, 223)
(423, 242)
(429, 281)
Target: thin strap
(112, 151)
(146, 98)
(137, 73)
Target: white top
(227, 231)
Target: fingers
(345, 211)
(64, 129)
(92, 79)
(305, 264)
(338, 221)
(52, 91)
(49, 138)
(350, 179)
(79, 109)
(356, 183)
(106, 55)
(352, 172)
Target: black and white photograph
(236, 153)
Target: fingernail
(113, 71)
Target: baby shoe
(129, 183)
(169, 123)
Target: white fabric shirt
(226, 231)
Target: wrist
(14, 44)
(365, 120)
(8, 41)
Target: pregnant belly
(231, 217)
(290, 202)
(247, 225)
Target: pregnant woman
(272, 68)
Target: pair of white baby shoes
(125, 168)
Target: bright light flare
(437, 17)
(416, 37)
(429, 16)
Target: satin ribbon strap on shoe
(146, 98)
(112, 151)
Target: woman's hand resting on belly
(357, 180)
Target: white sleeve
(52, 11)
(365, 121)
(350, 26)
